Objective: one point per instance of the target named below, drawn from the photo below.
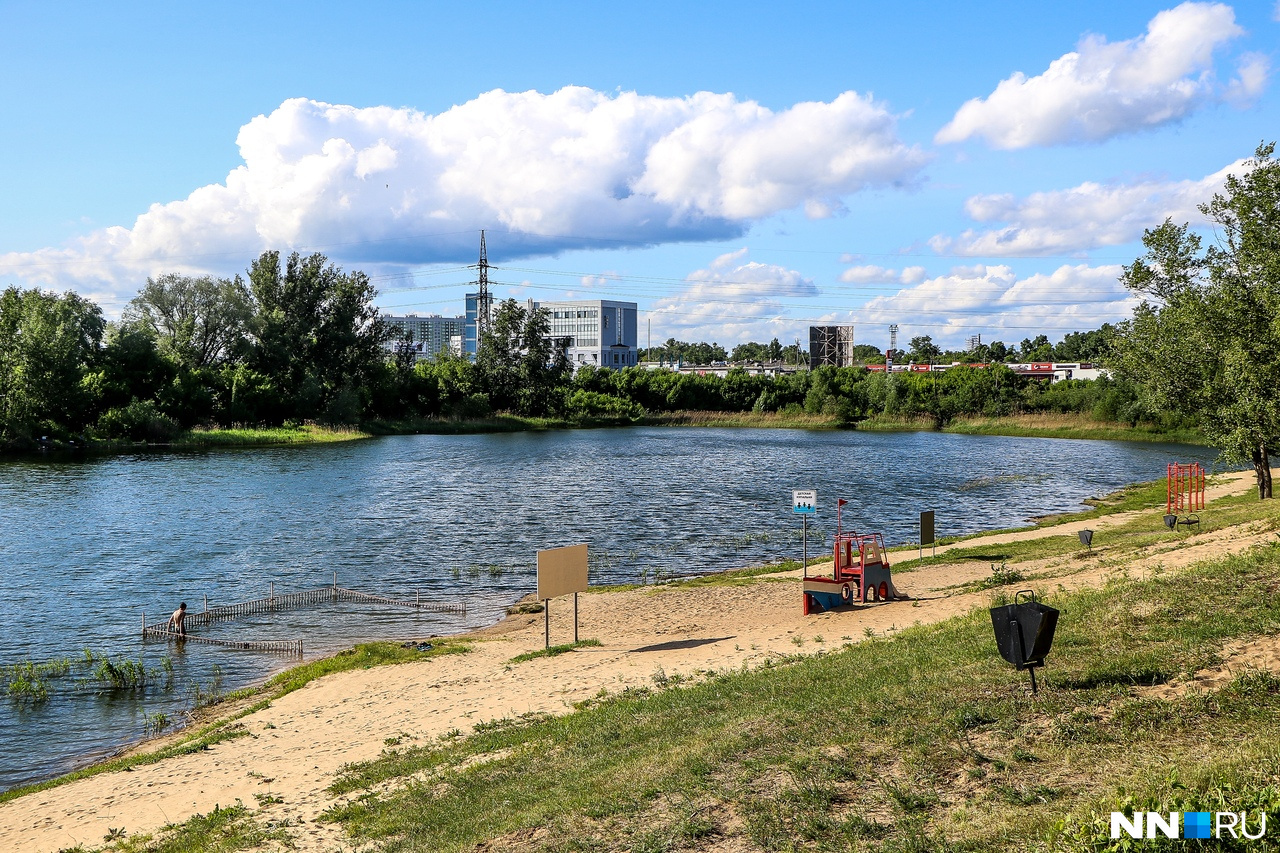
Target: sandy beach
(297, 745)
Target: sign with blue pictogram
(804, 502)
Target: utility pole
(484, 301)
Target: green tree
(49, 346)
(867, 354)
(750, 351)
(1205, 341)
(131, 365)
(1036, 350)
(520, 367)
(924, 350)
(197, 321)
(317, 336)
(1084, 346)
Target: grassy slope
(922, 741)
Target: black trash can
(1024, 630)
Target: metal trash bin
(1024, 632)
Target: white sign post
(804, 503)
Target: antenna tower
(484, 301)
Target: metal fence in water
(289, 601)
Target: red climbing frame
(1185, 488)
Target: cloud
(1071, 221)
(871, 274)
(732, 301)
(992, 301)
(1104, 89)
(570, 169)
(1252, 72)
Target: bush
(141, 420)
(591, 404)
(471, 407)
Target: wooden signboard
(926, 532)
(562, 571)
(926, 528)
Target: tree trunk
(1262, 468)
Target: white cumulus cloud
(993, 301)
(1103, 89)
(873, 274)
(732, 301)
(1071, 221)
(547, 172)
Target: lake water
(88, 545)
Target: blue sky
(740, 170)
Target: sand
(296, 747)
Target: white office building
(601, 332)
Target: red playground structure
(1184, 494)
(859, 572)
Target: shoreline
(519, 630)
(1040, 425)
(515, 620)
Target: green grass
(363, 656)
(265, 436)
(223, 830)
(923, 741)
(553, 651)
(454, 426)
(1222, 512)
(1113, 543)
(760, 420)
(1078, 426)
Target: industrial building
(830, 345)
(601, 332)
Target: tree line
(298, 339)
